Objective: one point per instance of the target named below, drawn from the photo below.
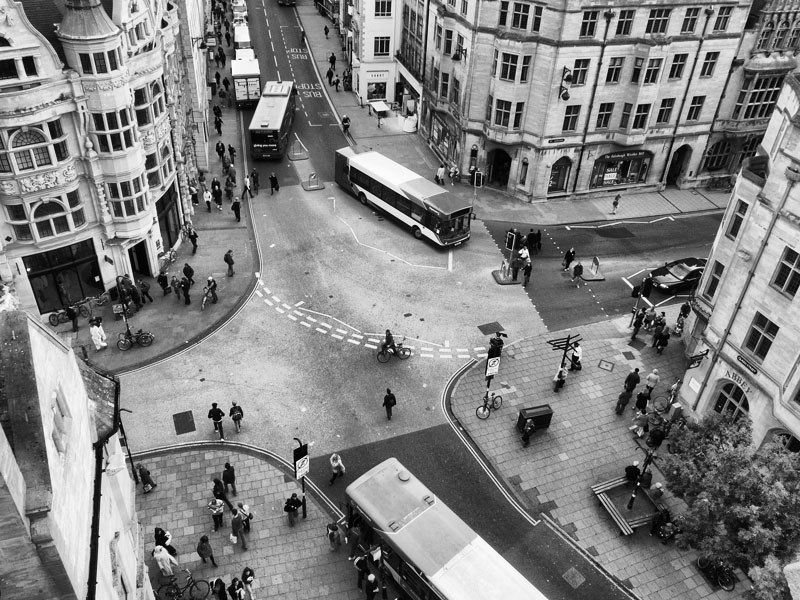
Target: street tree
(743, 502)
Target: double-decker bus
(429, 210)
(424, 546)
(272, 120)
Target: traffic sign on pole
(492, 366)
(301, 461)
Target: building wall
(760, 230)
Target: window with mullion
(502, 113)
(761, 335)
(787, 276)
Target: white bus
(429, 210)
(427, 550)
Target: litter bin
(541, 416)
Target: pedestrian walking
(254, 180)
(575, 359)
(132, 290)
(329, 75)
(560, 378)
(527, 432)
(218, 125)
(162, 281)
(218, 591)
(217, 78)
(228, 38)
(216, 415)
(220, 147)
(98, 334)
(217, 509)
(229, 478)
(185, 287)
(247, 515)
(204, 550)
(334, 536)
(526, 273)
(337, 467)
(188, 272)
(232, 152)
(226, 164)
(362, 567)
(632, 380)
(216, 60)
(164, 539)
(569, 256)
(345, 124)
(218, 198)
(229, 261)
(372, 588)
(217, 111)
(642, 398)
(207, 199)
(622, 401)
(248, 577)
(577, 274)
(236, 414)
(273, 184)
(615, 204)
(193, 194)
(164, 560)
(530, 242)
(326, 31)
(651, 381)
(236, 588)
(649, 318)
(72, 315)
(193, 239)
(232, 174)
(353, 534)
(227, 24)
(336, 82)
(176, 286)
(632, 472)
(516, 264)
(144, 290)
(662, 340)
(246, 187)
(218, 490)
(291, 507)
(236, 207)
(440, 174)
(332, 60)
(454, 174)
(238, 534)
(222, 58)
(146, 478)
(638, 320)
(389, 401)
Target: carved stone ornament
(149, 137)
(39, 182)
(6, 14)
(163, 128)
(8, 188)
(69, 173)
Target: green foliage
(769, 582)
(744, 505)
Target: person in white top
(164, 560)
(98, 335)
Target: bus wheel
(362, 198)
(417, 233)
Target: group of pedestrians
(648, 418)
(216, 414)
(656, 324)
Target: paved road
(439, 459)
(625, 250)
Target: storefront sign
(748, 365)
(626, 155)
(377, 75)
(555, 141)
(696, 359)
(739, 380)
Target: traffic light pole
(644, 292)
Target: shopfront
(445, 136)
(621, 168)
(376, 85)
(64, 275)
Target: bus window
(417, 213)
(403, 205)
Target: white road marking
(303, 323)
(326, 325)
(266, 301)
(338, 337)
(276, 299)
(370, 346)
(292, 317)
(296, 304)
(280, 310)
(259, 294)
(321, 330)
(355, 342)
(312, 319)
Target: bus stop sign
(301, 461)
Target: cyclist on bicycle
(388, 342)
(211, 287)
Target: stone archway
(679, 164)
(498, 163)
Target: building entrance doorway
(137, 255)
(677, 167)
(498, 164)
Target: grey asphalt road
(438, 458)
(623, 250)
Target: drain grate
(574, 578)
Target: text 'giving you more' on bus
(429, 210)
(413, 537)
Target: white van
(241, 37)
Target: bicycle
(400, 351)
(91, 301)
(720, 572)
(206, 297)
(127, 339)
(198, 589)
(491, 401)
(60, 315)
(165, 259)
(186, 230)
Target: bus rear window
(264, 137)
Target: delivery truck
(246, 81)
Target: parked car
(678, 275)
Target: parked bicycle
(719, 571)
(491, 401)
(128, 338)
(400, 351)
(186, 230)
(206, 297)
(91, 301)
(165, 259)
(196, 589)
(60, 315)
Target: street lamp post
(646, 465)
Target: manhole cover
(605, 365)
(184, 422)
(614, 232)
(574, 578)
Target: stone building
(69, 527)
(98, 141)
(744, 337)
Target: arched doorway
(680, 160)
(731, 401)
(498, 163)
(559, 175)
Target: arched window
(732, 401)
(4, 43)
(559, 175)
(780, 36)
(787, 440)
(718, 155)
(766, 34)
(50, 219)
(31, 158)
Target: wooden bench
(604, 486)
(639, 521)
(624, 527)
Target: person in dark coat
(236, 207)
(332, 61)
(220, 147)
(72, 315)
(232, 152)
(144, 290)
(662, 340)
(193, 238)
(273, 184)
(568, 258)
(163, 281)
(188, 272)
(254, 181)
(218, 590)
(642, 398)
(389, 401)
(185, 286)
(633, 471)
(229, 478)
(329, 75)
(205, 551)
(632, 380)
(216, 415)
(526, 272)
(622, 401)
(219, 493)
(164, 539)
(638, 321)
(145, 478)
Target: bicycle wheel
(199, 590)
(703, 562)
(124, 344)
(62, 317)
(85, 311)
(146, 339)
(383, 356)
(169, 591)
(497, 402)
(53, 318)
(483, 412)
(726, 579)
(403, 353)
